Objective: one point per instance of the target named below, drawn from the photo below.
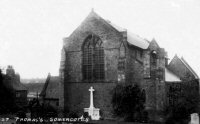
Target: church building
(101, 55)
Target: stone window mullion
(93, 52)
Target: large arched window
(93, 59)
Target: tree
(187, 103)
(6, 97)
(128, 102)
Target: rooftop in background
(50, 88)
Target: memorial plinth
(92, 111)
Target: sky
(32, 31)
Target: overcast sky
(31, 31)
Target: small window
(154, 58)
(17, 94)
(122, 51)
(143, 95)
(153, 64)
(141, 53)
(138, 54)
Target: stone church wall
(73, 44)
(75, 90)
(154, 85)
(134, 67)
(75, 94)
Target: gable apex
(93, 13)
(153, 45)
(153, 41)
(176, 59)
(189, 68)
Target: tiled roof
(50, 89)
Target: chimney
(10, 71)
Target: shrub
(128, 102)
(186, 103)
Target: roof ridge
(119, 28)
(42, 93)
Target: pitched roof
(43, 92)
(189, 68)
(137, 41)
(132, 38)
(118, 28)
(19, 86)
(50, 89)
(13, 83)
(170, 76)
(182, 60)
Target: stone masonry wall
(137, 70)
(134, 67)
(76, 94)
(154, 86)
(73, 44)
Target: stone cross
(91, 97)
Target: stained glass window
(93, 58)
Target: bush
(128, 102)
(186, 103)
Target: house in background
(181, 68)
(11, 81)
(31, 95)
(50, 92)
(184, 82)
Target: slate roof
(132, 38)
(50, 88)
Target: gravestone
(92, 111)
(194, 118)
